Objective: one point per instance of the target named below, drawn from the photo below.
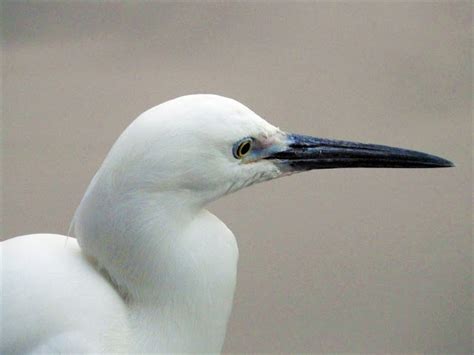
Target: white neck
(174, 262)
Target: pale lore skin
(152, 270)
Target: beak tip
(443, 163)
(449, 164)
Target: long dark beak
(306, 153)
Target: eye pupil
(244, 148)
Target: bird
(145, 267)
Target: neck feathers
(175, 264)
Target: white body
(155, 272)
(55, 300)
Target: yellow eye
(242, 148)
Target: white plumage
(142, 224)
(152, 270)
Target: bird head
(207, 146)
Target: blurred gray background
(331, 261)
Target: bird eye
(242, 148)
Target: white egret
(152, 270)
